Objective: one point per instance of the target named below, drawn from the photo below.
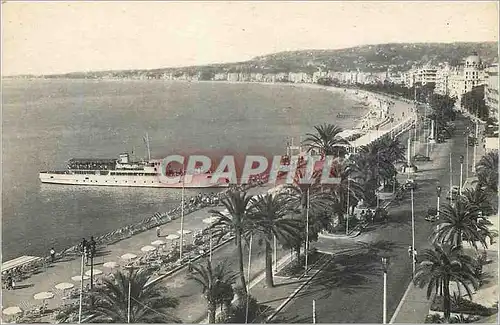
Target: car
(453, 194)
(419, 157)
(410, 184)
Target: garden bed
(296, 268)
(464, 307)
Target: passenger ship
(124, 172)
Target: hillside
(369, 58)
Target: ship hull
(198, 181)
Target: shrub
(462, 306)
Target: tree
(304, 195)
(148, 303)
(487, 171)
(216, 285)
(442, 265)
(326, 140)
(269, 218)
(459, 222)
(347, 186)
(238, 205)
(479, 197)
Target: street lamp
(466, 134)
(129, 299)
(83, 251)
(307, 231)
(182, 215)
(451, 175)
(438, 192)
(461, 174)
(412, 233)
(385, 265)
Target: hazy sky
(53, 37)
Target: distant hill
(369, 58)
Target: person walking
(52, 255)
(158, 232)
(410, 251)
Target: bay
(47, 122)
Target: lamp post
(83, 250)
(461, 174)
(182, 216)
(248, 277)
(347, 218)
(412, 233)
(307, 230)
(475, 148)
(451, 175)
(314, 311)
(129, 299)
(438, 193)
(385, 264)
(466, 134)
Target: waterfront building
(443, 79)
(491, 90)
(464, 77)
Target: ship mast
(146, 139)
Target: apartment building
(491, 90)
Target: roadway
(350, 286)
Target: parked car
(410, 184)
(419, 157)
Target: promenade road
(349, 289)
(62, 271)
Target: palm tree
(238, 205)
(269, 218)
(347, 186)
(487, 171)
(216, 283)
(148, 303)
(326, 140)
(304, 195)
(478, 196)
(458, 222)
(442, 265)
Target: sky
(57, 37)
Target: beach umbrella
(43, 295)
(128, 256)
(96, 272)
(148, 248)
(64, 286)
(172, 237)
(9, 311)
(110, 265)
(158, 243)
(79, 278)
(184, 232)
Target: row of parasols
(46, 295)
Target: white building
(491, 90)
(466, 76)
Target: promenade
(192, 304)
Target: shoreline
(359, 96)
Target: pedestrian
(415, 256)
(410, 251)
(52, 255)
(157, 231)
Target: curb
(398, 308)
(284, 303)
